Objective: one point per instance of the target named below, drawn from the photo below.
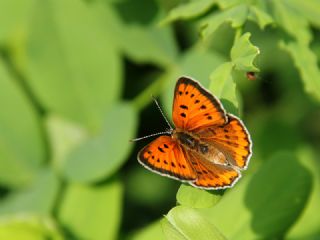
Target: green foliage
(254, 208)
(28, 227)
(86, 163)
(196, 198)
(92, 205)
(75, 76)
(22, 148)
(186, 223)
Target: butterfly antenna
(151, 135)
(156, 102)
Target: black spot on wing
(183, 106)
(183, 115)
(161, 149)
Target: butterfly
(207, 148)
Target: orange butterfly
(208, 147)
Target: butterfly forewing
(165, 156)
(194, 107)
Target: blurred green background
(76, 79)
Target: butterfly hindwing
(166, 157)
(194, 107)
(232, 139)
(212, 176)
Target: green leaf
(307, 65)
(38, 198)
(308, 9)
(189, 10)
(290, 200)
(141, 43)
(99, 157)
(92, 212)
(308, 225)
(157, 43)
(265, 205)
(152, 231)
(196, 198)
(259, 16)
(186, 223)
(243, 54)
(14, 18)
(28, 227)
(222, 84)
(291, 21)
(236, 16)
(72, 63)
(21, 142)
(64, 136)
(170, 231)
(231, 3)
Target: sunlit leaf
(152, 44)
(243, 53)
(291, 21)
(152, 231)
(21, 142)
(262, 18)
(170, 231)
(187, 223)
(236, 16)
(222, 84)
(75, 73)
(196, 198)
(92, 212)
(14, 19)
(189, 10)
(38, 198)
(228, 4)
(100, 156)
(64, 137)
(28, 227)
(308, 9)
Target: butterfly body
(208, 146)
(194, 143)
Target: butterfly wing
(194, 107)
(166, 157)
(210, 175)
(232, 139)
